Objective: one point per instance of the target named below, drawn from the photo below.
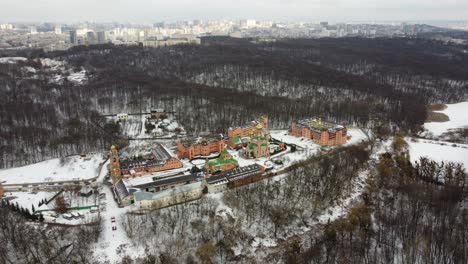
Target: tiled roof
(121, 190)
(147, 196)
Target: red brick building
(322, 133)
(158, 160)
(248, 129)
(1, 190)
(204, 147)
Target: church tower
(115, 172)
(264, 121)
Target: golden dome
(259, 126)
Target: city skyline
(148, 11)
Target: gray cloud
(292, 10)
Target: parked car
(114, 227)
(113, 219)
(67, 216)
(75, 215)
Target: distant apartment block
(174, 40)
(73, 37)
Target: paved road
(111, 241)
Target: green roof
(236, 140)
(220, 161)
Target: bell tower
(115, 172)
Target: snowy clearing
(458, 114)
(62, 169)
(26, 200)
(12, 60)
(438, 151)
(357, 136)
(78, 77)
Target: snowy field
(438, 151)
(11, 60)
(62, 169)
(26, 200)
(357, 136)
(458, 115)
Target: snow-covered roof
(147, 196)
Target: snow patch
(12, 60)
(61, 169)
(438, 151)
(458, 115)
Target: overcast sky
(284, 10)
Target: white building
(58, 30)
(6, 26)
(183, 194)
(122, 116)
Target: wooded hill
(223, 82)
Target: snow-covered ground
(458, 115)
(357, 136)
(11, 60)
(52, 64)
(113, 244)
(61, 169)
(78, 77)
(134, 127)
(438, 151)
(27, 200)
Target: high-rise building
(91, 37)
(58, 30)
(6, 26)
(33, 30)
(73, 37)
(101, 37)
